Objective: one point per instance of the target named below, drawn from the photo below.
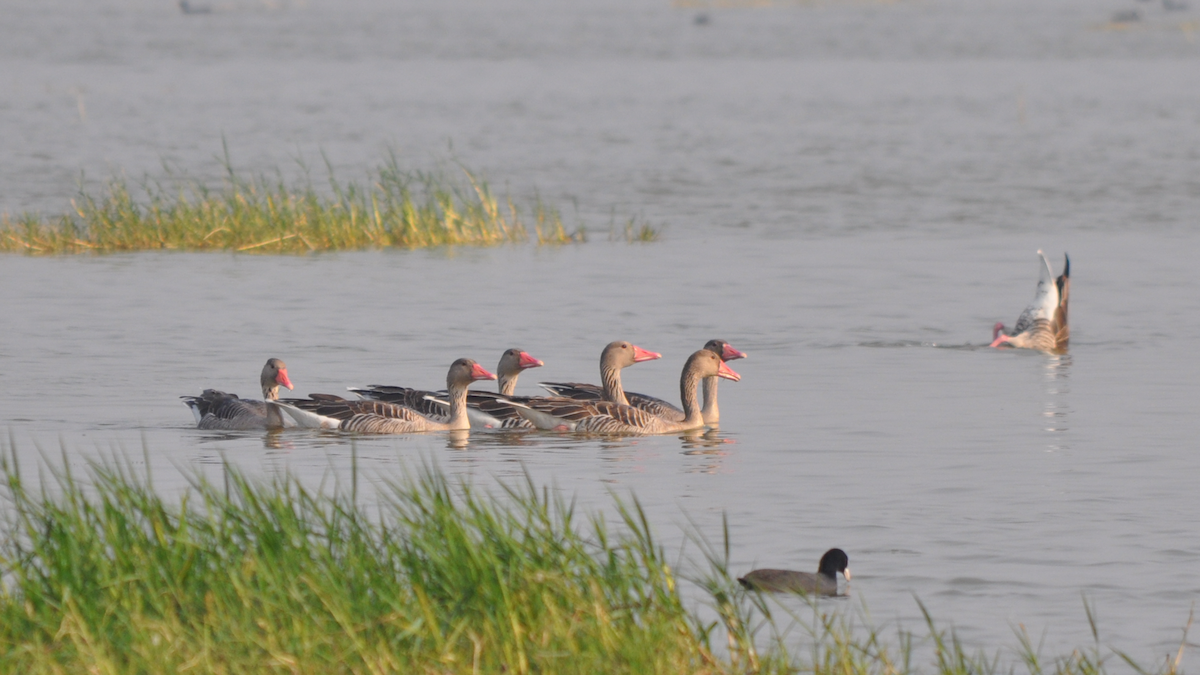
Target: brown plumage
(652, 404)
(606, 417)
(1043, 325)
(378, 417)
(494, 415)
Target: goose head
(706, 363)
(274, 376)
(621, 354)
(996, 330)
(513, 361)
(724, 350)
(465, 371)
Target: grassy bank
(393, 209)
(268, 577)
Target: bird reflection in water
(708, 446)
(274, 440)
(1057, 387)
(458, 439)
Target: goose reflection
(708, 448)
(274, 440)
(458, 439)
(1056, 389)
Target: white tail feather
(306, 419)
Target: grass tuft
(267, 576)
(395, 209)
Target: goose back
(370, 416)
(484, 409)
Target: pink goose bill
(528, 361)
(282, 378)
(727, 372)
(478, 372)
(728, 353)
(640, 355)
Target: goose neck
(458, 406)
(508, 384)
(711, 413)
(610, 377)
(688, 382)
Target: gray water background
(851, 192)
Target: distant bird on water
(1043, 324)
(824, 582)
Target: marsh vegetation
(393, 208)
(103, 574)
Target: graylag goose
(606, 417)
(215, 409)
(652, 404)
(1043, 324)
(824, 582)
(325, 411)
(495, 415)
(614, 357)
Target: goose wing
(214, 409)
(367, 416)
(415, 399)
(580, 391)
(328, 405)
(558, 413)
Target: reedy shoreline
(102, 574)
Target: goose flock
(578, 407)
(571, 406)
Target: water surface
(853, 193)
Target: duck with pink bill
(653, 404)
(214, 409)
(326, 411)
(606, 417)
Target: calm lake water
(853, 193)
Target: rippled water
(852, 193)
